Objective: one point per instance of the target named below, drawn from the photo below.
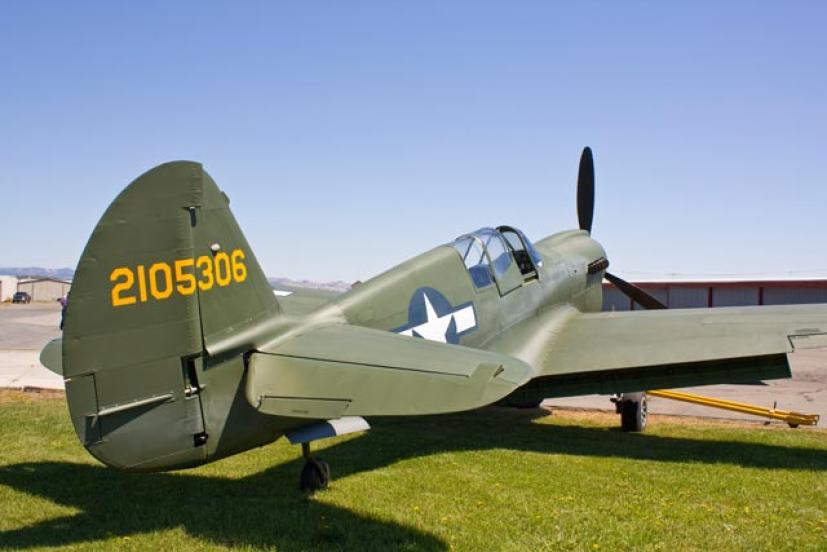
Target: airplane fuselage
(176, 352)
(430, 296)
(389, 301)
(162, 341)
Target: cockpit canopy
(488, 253)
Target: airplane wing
(343, 370)
(576, 354)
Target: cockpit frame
(490, 257)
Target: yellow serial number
(184, 276)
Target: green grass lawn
(486, 480)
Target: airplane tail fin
(166, 279)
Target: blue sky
(351, 136)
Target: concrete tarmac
(25, 329)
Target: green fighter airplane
(177, 352)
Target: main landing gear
(315, 473)
(632, 409)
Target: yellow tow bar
(794, 419)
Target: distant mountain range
(68, 274)
(38, 272)
(337, 285)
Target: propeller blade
(585, 216)
(635, 293)
(585, 190)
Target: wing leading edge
(575, 353)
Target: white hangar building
(44, 289)
(8, 287)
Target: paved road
(28, 326)
(25, 329)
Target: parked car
(21, 297)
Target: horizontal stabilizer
(52, 356)
(340, 370)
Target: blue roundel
(431, 316)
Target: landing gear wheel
(315, 473)
(633, 412)
(315, 476)
(326, 468)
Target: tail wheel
(315, 475)
(633, 412)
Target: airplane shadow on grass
(266, 509)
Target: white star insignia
(435, 327)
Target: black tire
(326, 467)
(634, 412)
(315, 476)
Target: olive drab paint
(143, 392)
(176, 351)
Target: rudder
(166, 279)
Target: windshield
(471, 250)
(484, 252)
(497, 250)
